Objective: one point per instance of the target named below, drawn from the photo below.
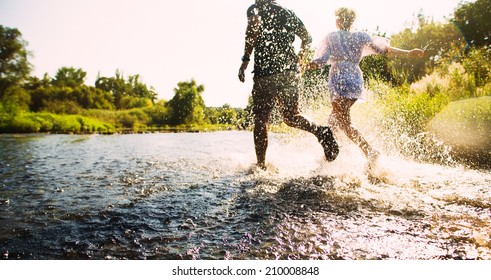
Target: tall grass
(406, 111)
(403, 117)
(47, 122)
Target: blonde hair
(346, 16)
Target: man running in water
(270, 33)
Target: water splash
(170, 199)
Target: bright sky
(167, 42)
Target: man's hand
(310, 65)
(305, 57)
(242, 69)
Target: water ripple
(192, 196)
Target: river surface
(197, 196)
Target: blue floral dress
(343, 50)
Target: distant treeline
(64, 103)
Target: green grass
(465, 123)
(47, 122)
(435, 119)
(93, 121)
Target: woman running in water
(343, 50)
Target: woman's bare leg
(341, 115)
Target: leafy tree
(187, 106)
(377, 67)
(141, 90)
(441, 42)
(473, 19)
(158, 114)
(228, 115)
(132, 119)
(93, 98)
(478, 63)
(130, 102)
(33, 83)
(60, 100)
(38, 97)
(69, 77)
(115, 85)
(14, 65)
(223, 115)
(66, 88)
(15, 99)
(212, 115)
(127, 94)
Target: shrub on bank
(465, 126)
(407, 111)
(47, 122)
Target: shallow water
(196, 196)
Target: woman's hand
(414, 53)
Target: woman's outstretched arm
(414, 53)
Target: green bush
(89, 125)
(478, 64)
(67, 124)
(402, 119)
(135, 119)
(24, 124)
(47, 122)
(406, 110)
(465, 126)
(465, 123)
(158, 114)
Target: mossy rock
(465, 126)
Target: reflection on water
(193, 196)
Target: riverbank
(77, 124)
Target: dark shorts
(282, 88)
